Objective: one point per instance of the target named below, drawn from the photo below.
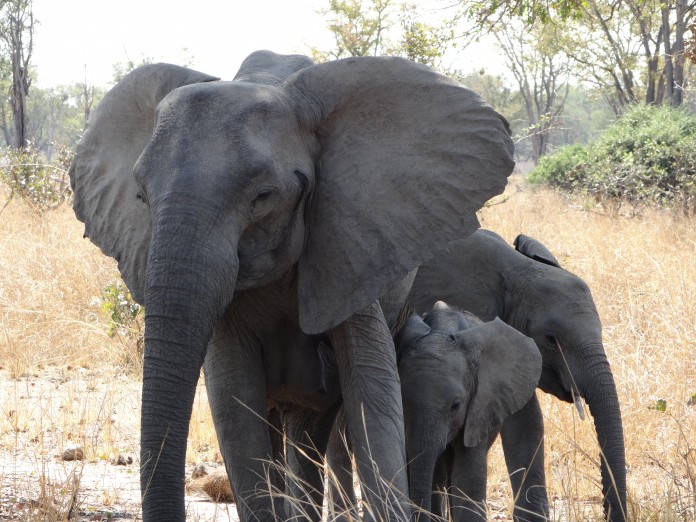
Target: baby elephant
(460, 378)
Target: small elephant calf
(460, 378)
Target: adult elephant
(255, 218)
(527, 288)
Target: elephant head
(556, 309)
(346, 175)
(531, 292)
(459, 378)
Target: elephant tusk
(578, 403)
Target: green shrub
(647, 156)
(564, 169)
(27, 175)
(125, 321)
(120, 310)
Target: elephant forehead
(226, 126)
(231, 108)
(432, 354)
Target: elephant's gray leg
(372, 400)
(523, 443)
(340, 488)
(236, 384)
(275, 422)
(467, 493)
(307, 438)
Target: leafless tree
(17, 38)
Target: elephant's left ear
(407, 158)
(508, 373)
(535, 249)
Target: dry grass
(64, 379)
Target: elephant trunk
(598, 387)
(422, 451)
(187, 290)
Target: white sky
(75, 38)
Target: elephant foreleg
(307, 438)
(236, 385)
(340, 486)
(523, 444)
(468, 476)
(371, 391)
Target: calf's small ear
(413, 329)
(508, 373)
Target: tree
(16, 37)
(368, 29)
(632, 50)
(357, 30)
(419, 41)
(541, 71)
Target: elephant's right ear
(106, 193)
(535, 249)
(508, 373)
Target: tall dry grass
(642, 272)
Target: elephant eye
(456, 405)
(262, 196)
(303, 180)
(551, 339)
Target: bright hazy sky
(75, 38)
(215, 35)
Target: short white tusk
(578, 403)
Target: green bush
(125, 321)
(647, 156)
(120, 309)
(27, 175)
(564, 169)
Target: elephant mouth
(551, 382)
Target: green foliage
(660, 405)
(368, 28)
(419, 41)
(43, 185)
(529, 11)
(647, 156)
(120, 309)
(564, 169)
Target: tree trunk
(668, 68)
(19, 23)
(678, 53)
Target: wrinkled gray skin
(239, 216)
(460, 378)
(528, 290)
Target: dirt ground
(55, 410)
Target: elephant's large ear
(407, 158)
(508, 373)
(106, 194)
(535, 249)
